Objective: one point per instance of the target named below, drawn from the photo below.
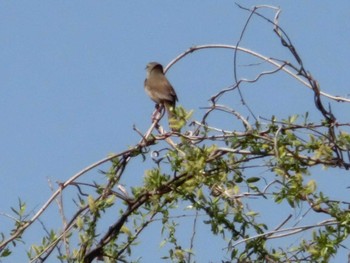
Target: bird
(159, 89)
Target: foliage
(210, 176)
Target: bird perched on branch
(159, 88)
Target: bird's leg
(158, 113)
(158, 107)
(155, 113)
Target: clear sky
(72, 72)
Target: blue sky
(72, 75)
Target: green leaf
(253, 179)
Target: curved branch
(289, 231)
(258, 55)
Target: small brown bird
(159, 88)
